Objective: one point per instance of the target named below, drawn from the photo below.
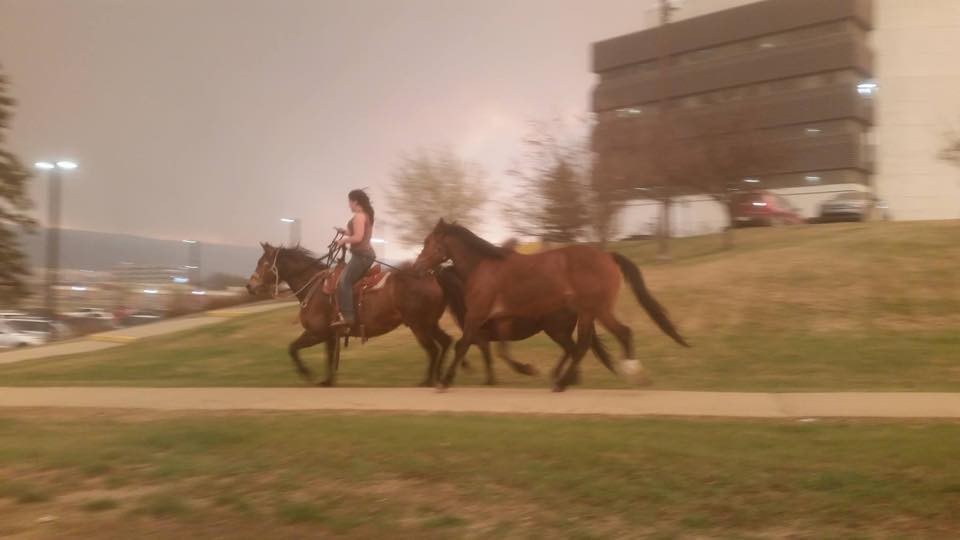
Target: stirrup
(340, 322)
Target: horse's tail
(659, 315)
(453, 293)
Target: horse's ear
(264, 246)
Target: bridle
(276, 273)
(332, 250)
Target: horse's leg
(306, 339)
(561, 336)
(503, 350)
(426, 340)
(630, 366)
(333, 359)
(502, 332)
(444, 340)
(585, 333)
(602, 354)
(471, 329)
(484, 347)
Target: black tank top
(364, 247)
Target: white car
(24, 332)
(90, 313)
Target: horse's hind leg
(630, 366)
(306, 339)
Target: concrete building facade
(866, 88)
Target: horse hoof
(325, 384)
(559, 388)
(442, 389)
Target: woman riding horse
(358, 234)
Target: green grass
(101, 505)
(163, 505)
(290, 475)
(24, 492)
(828, 307)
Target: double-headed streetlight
(294, 224)
(193, 259)
(53, 227)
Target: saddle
(373, 280)
(374, 276)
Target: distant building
(861, 91)
(149, 275)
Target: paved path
(115, 338)
(499, 400)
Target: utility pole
(666, 7)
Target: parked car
(26, 332)
(853, 206)
(765, 209)
(90, 313)
(144, 316)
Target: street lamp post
(193, 260)
(53, 228)
(294, 232)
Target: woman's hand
(341, 242)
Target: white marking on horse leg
(632, 370)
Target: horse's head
(434, 250)
(266, 274)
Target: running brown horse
(502, 283)
(559, 326)
(405, 297)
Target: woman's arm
(359, 227)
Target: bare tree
(710, 153)
(727, 148)
(640, 158)
(430, 185)
(14, 205)
(552, 200)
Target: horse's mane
(302, 255)
(473, 241)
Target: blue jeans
(355, 270)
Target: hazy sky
(212, 119)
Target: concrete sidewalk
(115, 338)
(499, 400)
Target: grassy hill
(826, 307)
